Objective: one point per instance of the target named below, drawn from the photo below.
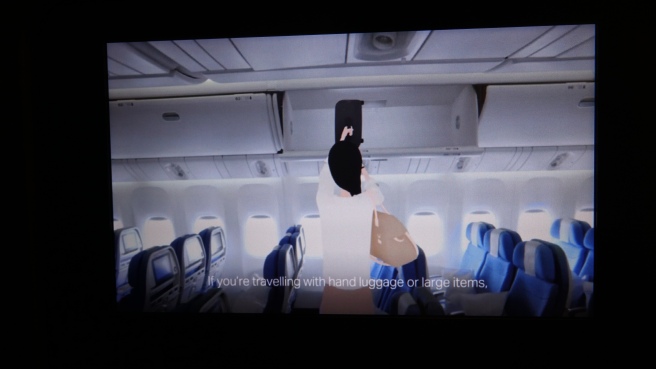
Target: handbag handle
(376, 213)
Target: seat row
(403, 289)
(501, 274)
(282, 270)
(183, 276)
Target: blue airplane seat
(155, 277)
(294, 228)
(127, 243)
(298, 240)
(584, 281)
(214, 243)
(401, 279)
(471, 262)
(541, 284)
(475, 253)
(415, 273)
(498, 270)
(383, 274)
(564, 280)
(295, 236)
(279, 271)
(568, 233)
(587, 269)
(190, 252)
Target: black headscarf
(345, 163)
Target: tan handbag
(391, 243)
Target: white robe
(346, 231)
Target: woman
(346, 208)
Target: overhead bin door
(560, 114)
(244, 124)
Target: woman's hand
(346, 132)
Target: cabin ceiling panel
(291, 62)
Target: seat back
(587, 269)
(583, 288)
(190, 252)
(394, 280)
(127, 243)
(415, 273)
(279, 271)
(295, 236)
(214, 243)
(155, 277)
(498, 270)
(384, 274)
(297, 240)
(542, 283)
(475, 253)
(568, 233)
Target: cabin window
(427, 229)
(312, 229)
(535, 223)
(586, 215)
(205, 222)
(475, 216)
(118, 224)
(158, 231)
(260, 235)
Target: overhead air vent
(383, 46)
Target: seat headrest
(535, 258)
(476, 231)
(501, 243)
(588, 241)
(189, 250)
(569, 230)
(280, 262)
(286, 239)
(127, 242)
(140, 262)
(293, 229)
(213, 239)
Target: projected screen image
(217, 244)
(162, 269)
(130, 242)
(502, 134)
(193, 252)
